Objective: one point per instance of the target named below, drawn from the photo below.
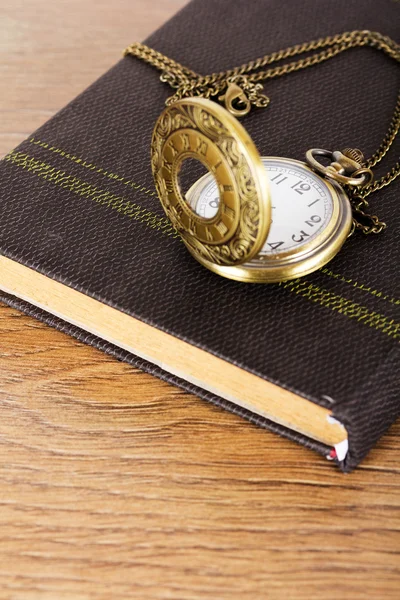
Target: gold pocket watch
(250, 218)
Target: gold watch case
(201, 129)
(229, 243)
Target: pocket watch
(253, 218)
(310, 219)
(250, 218)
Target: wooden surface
(116, 485)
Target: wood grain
(116, 485)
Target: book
(85, 245)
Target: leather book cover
(78, 206)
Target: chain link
(249, 76)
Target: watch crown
(355, 154)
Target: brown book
(86, 247)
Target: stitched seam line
(86, 190)
(360, 286)
(92, 167)
(141, 188)
(352, 310)
(300, 287)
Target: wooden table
(116, 485)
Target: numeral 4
(274, 245)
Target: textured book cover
(78, 206)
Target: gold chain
(240, 88)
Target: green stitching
(92, 167)
(136, 186)
(344, 306)
(360, 286)
(301, 287)
(86, 190)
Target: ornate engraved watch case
(249, 218)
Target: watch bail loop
(345, 167)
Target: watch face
(310, 220)
(302, 205)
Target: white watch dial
(302, 205)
